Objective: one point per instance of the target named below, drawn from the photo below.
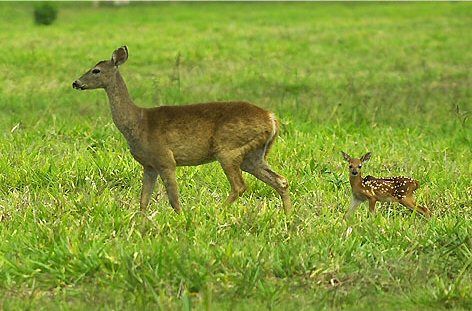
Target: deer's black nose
(78, 85)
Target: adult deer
(236, 134)
(393, 189)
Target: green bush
(45, 14)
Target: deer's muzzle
(78, 85)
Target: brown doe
(236, 134)
(392, 189)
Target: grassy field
(394, 79)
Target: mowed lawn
(390, 78)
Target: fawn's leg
(170, 182)
(372, 202)
(424, 210)
(255, 165)
(411, 203)
(230, 165)
(149, 180)
(354, 205)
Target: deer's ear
(120, 55)
(346, 156)
(366, 157)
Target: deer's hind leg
(255, 164)
(410, 202)
(230, 162)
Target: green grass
(390, 78)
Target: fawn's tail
(416, 185)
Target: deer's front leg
(170, 182)
(354, 205)
(372, 202)
(149, 180)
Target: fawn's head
(100, 75)
(355, 164)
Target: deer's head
(355, 165)
(100, 75)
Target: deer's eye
(350, 165)
(95, 71)
(360, 166)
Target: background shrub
(45, 13)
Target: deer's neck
(126, 115)
(356, 182)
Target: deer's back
(390, 188)
(196, 133)
(198, 119)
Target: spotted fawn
(392, 189)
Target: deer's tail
(273, 134)
(416, 185)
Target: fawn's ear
(366, 157)
(346, 156)
(120, 55)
